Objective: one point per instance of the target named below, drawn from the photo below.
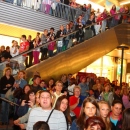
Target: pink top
(51, 46)
(126, 101)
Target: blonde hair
(76, 87)
(6, 69)
(23, 73)
(107, 119)
(38, 93)
(59, 82)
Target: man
(76, 101)
(30, 54)
(24, 46)
(115, 115)
(36, 83)
(57, 119)
(51, 33)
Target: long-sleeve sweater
(57, 120)
(4, 81)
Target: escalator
(28, 18)
(83, 54)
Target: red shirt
(72, 101)
(23, 47)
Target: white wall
(7, 41)
(94, 6)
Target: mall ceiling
(102, 2)
(117, 53)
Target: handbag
(60, 43)
(9, 94)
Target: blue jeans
(4, 110)
(10, 1)
(59, 49)
(19, 2)
(66, 44)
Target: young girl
(21, 82)
(36, 52)
(107, 95)
(62, 104)
(89, 108)
(51, 46)
(94, 123)
(104, 109)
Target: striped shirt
(57, 120)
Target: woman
(107, 95)
(26, 89)
(21, 122)
(37, 42)
(94, 123)
(21, 82)
(104, 22)
(125, 98)
(114, 20)
(6, 83)
(126, 119)
(89, 108)
(104, 110)
(62, 104)
(50, 86)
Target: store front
(107, 66)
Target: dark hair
(117, 88)
(116, 102)
(31, 92)
(52, 28)
(73, 81)
(67, 111)
(126, 119)
(42, 125)
(7, 47)
(30, 36)
(35, 76)
(23, 36)
(25, 87)
(92, 121)
(38, 33)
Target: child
(51, 46)
(41, 125)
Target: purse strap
(49, 115)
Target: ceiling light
(125, 2)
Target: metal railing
(51, 7)
(67, 41)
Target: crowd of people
(70, 103)
(67, 37)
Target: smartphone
(26, 102)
